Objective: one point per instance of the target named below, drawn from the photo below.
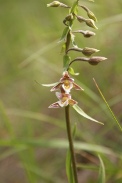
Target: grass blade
(101, 178)
(114, 117)
(55, 143)
(6, 120)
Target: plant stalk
(67, 117)
(71, 146)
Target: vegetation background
(31, 145)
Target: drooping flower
(67, 83)
(64, 100)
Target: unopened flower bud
(88, 22)
(81, 19)
(89, 51)
(95, 60)
(86, 33)
(68, 18)
(89, 13)
(57, 4)
(91, 23)
(86, 51)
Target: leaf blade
(71, 71)
(66, 60)
(82, 113)
(74, 8)
(64, 34)
(101, 178)
(69, 171)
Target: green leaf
(63, 48)
(66, 60)
(82, 113)
(101, 178)
(55, 143)
(44, 176)
(71, 71)
(114, 117)
(49, 85)
(87, 167)
(74, 8)
(9, 152)
(69, 170)
(64, 34)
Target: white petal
(58, 95)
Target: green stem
(67, 116)
(71, 146)
(68, 42)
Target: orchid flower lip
(63, 104)
(67, 88)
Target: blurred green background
(30, 52)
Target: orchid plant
(66, 83)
